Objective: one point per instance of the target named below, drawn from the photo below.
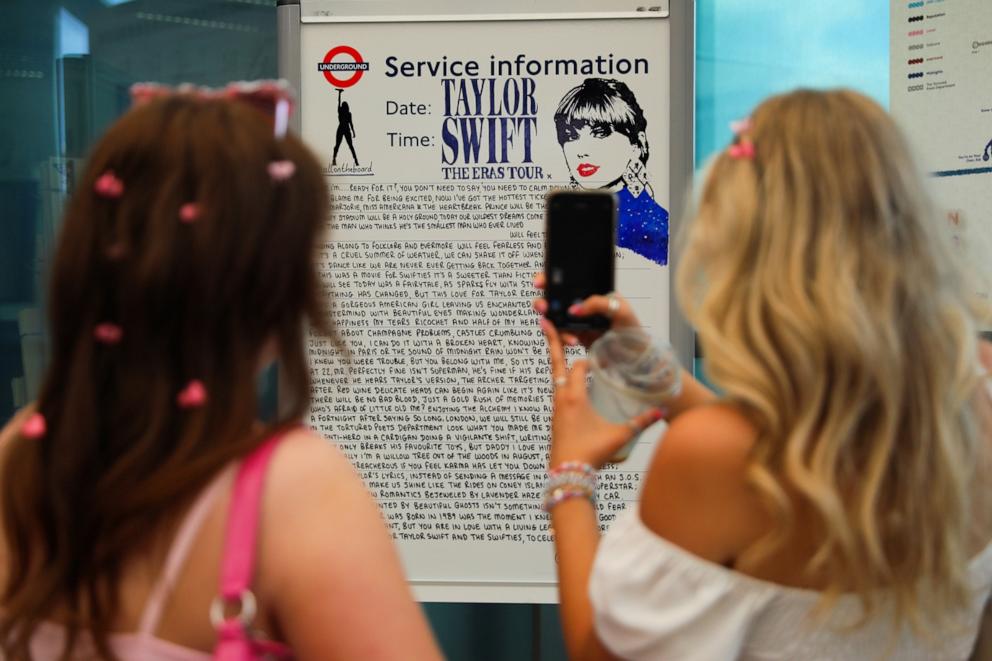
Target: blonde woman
(834, 501)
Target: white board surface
(436, 232)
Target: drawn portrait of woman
(601, 129)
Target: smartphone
(579, 239)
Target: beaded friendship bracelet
(553, 498)
(569, 480)
(572, 467)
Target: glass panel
(65, 69)
(747, 50)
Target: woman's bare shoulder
(7, 436)
(312, 482)
(305, 454)
(697, 493)
(309, 471)
(713, 439)
(328, 556)
(10, 429)
(313, 497)
(9, 432)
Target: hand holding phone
(580, 235)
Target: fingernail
(545, 324)
(575, 309)
(658, 414)
(571, 340)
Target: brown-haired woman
(185, 263)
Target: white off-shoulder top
(655, 600)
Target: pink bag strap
(237, 569)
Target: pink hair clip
(193, 395)
(281, 170)
(190, 212)
(275, 98)
(109, 185)
(34, 427)
(108, 333)
(739, 126)
(742, 150)
(142, 93)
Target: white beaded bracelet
(570, 480)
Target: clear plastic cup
(632, 372)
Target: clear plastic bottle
(632, 372)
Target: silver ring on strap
(247, 609)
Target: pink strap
(238, 564)
(234, 641)
(181, 545)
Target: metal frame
(288, 51)
(292, 14)
(405, 11)
(682, 153)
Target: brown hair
(831, 311)
(200, 300)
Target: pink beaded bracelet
(571, 479)
(572, 467)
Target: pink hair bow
(34, 427)
(742, 148)
(108, 185)
(739, 126)
(275, 98)
(193, 395)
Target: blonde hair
(828, 310)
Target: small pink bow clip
(108, 333)
(193, 395)
(742, 150)
(190, 212)
(108, 185)
(739, 126)
(281, 170)
(275, 98)
(34, 427)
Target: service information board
(440, 141)
(941, 94)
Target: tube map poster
(940, 93)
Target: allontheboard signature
(353, 170)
